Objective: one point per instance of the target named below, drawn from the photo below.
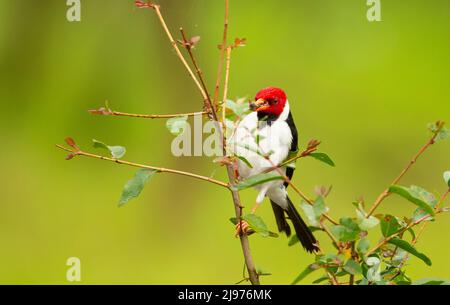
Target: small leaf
(389, 225)
(320, 279)
(431, 281)
(257, 224)
(322, 157)
(347, 230)
(352, 267)
(71, 142)
(366, 223)
(305, 273)
(363, 245)
(234, 220)
(177, 125)
(117, 152)
(315, 211)
(410, 196)
(239, 108)
(256, 180)
(402, 244)
(134, 186)
(442, 132)
(243, 159)
(447, 178)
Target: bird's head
(269, 100)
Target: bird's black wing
(294, 145)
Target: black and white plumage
(264, 138)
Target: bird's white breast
(254, 140)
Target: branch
(189, 45)
(386, 193)
(225, 89)
(107, 111)
(222, 55)
(174, 45)
(77, 152)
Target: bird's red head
(269, 100)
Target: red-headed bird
(264, 138)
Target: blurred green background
(366, 90)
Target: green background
(366, 90)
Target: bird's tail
(304, 234)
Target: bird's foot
(242, 227)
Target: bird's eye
(273, 101)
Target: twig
(197, 68)
(222, 55)
(146, 116)
(178, 52)
(157, 169)
(386, 193)
(225, 90)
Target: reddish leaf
(70, 142)
(194, 40)
(101, 111)
(70, 156)
(142, 4)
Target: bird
(263, 140)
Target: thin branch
(386, 193)
(199, 72)
(75, 152)
(178, 52)
(222, 55)
(225, 90)
(103, 111)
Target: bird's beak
(259, 105)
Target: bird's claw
(242, 227)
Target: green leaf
(366, 223)
(255, 180)
(389, 225)
(117, 152)
(347, 230)
(424, 195)
(320, 279)
(443, 133)
(134, 186)
(257, 224)
(431, 281)
(447, 178)
(239, 108)
(363, 245)
(177, 125)
(411, 196)
(402, 244)
(322, 157)
(352, 267)
(315, 211)
(243, 159)
(294, 239)
(305, 273)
